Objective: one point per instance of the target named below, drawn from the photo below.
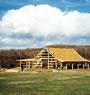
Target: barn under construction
(55, 58)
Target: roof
(66, 55)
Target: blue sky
(80, 5)
(20, 35)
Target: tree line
(8, 57)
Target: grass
(45, 83)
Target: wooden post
(66, 66)
(29, 65)
(88, 65)
(56, 65)
(83, 65)
(26, 65)
(41, 64)
(20, 65)
(78, 66)
(61, 66)
(72, 65)
(48, 60)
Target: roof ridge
(60, 48)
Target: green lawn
(45, 83)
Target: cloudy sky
(37, 23)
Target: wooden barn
(55, 58)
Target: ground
(76, 82)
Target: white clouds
(45, 22)
(39, 19)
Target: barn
(55, 58)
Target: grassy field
(46, 83)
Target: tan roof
(66, 54)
